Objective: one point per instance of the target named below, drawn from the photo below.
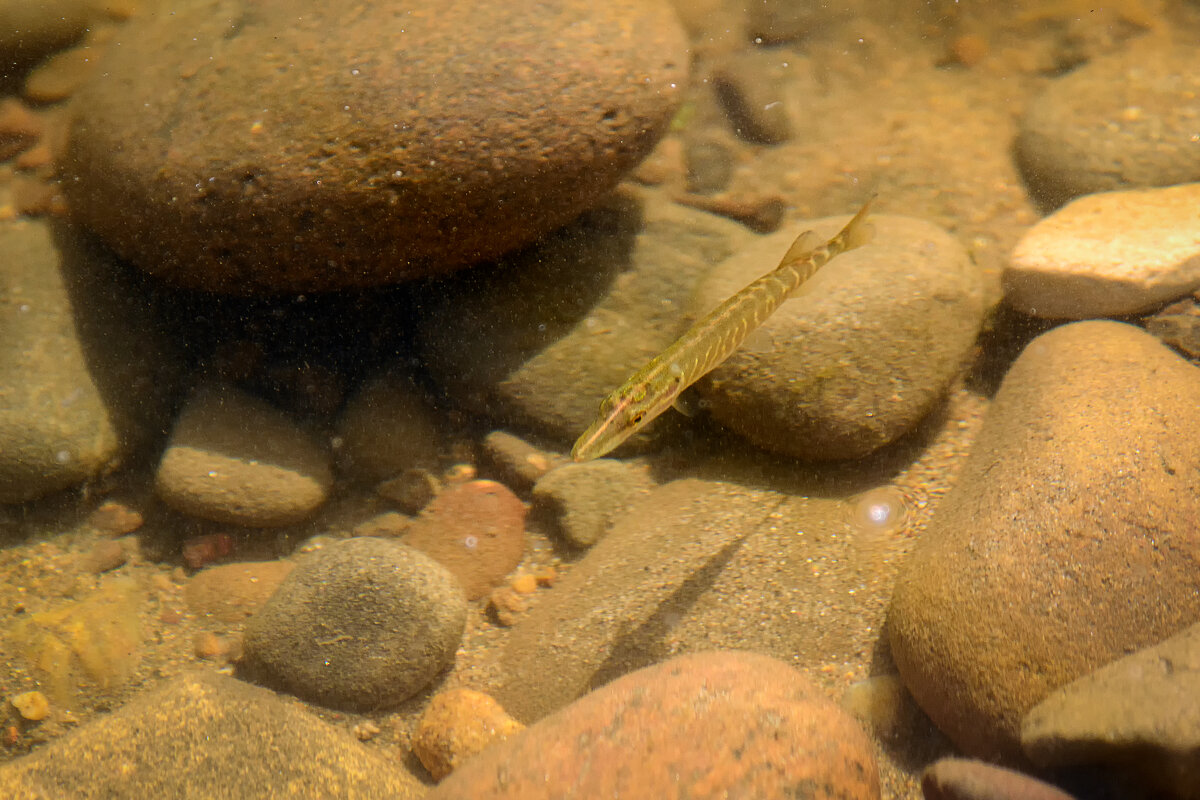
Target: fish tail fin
(858, 231)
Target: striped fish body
(654, 388)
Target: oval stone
(1069, 540)
(1121, 121)
(297, 145)
(364, 623)
(860, 354)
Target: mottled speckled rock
(235, 458)
(567, 321)
(1108, 254)
(238, 146)
(861, 354)
(204, 736)
(84, 380)
(581, 500)
(1121, 121)
(1069, 540)
(362, 623)
(387, 427)
(1142, 710)
(707, 725)
(965, 779)
(476, 530)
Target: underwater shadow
(717, 454)
(645, 644)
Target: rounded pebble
(1108, 254)
(860, 354)
(32, 706)
(476, 530)
(1069, 539)
(388, 428)
(235, 458)
(363, 623)
(965, 779)
(582, 499)
(459, 724)
(86, 379)
(113, 518)
(232, 592)
(105, 554)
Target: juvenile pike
(654, 387)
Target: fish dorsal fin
(859, 231)
(805, 243)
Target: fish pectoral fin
(805, 243)
(689, 403)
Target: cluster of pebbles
(238, 200)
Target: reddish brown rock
(476, 530)
(232, 592)
(238, 146)
(707, 725)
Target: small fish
(654, 388)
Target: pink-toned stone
(701, 726)
(476, 530)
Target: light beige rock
(1109, 254)
(235, 458)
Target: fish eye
(636, 418)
